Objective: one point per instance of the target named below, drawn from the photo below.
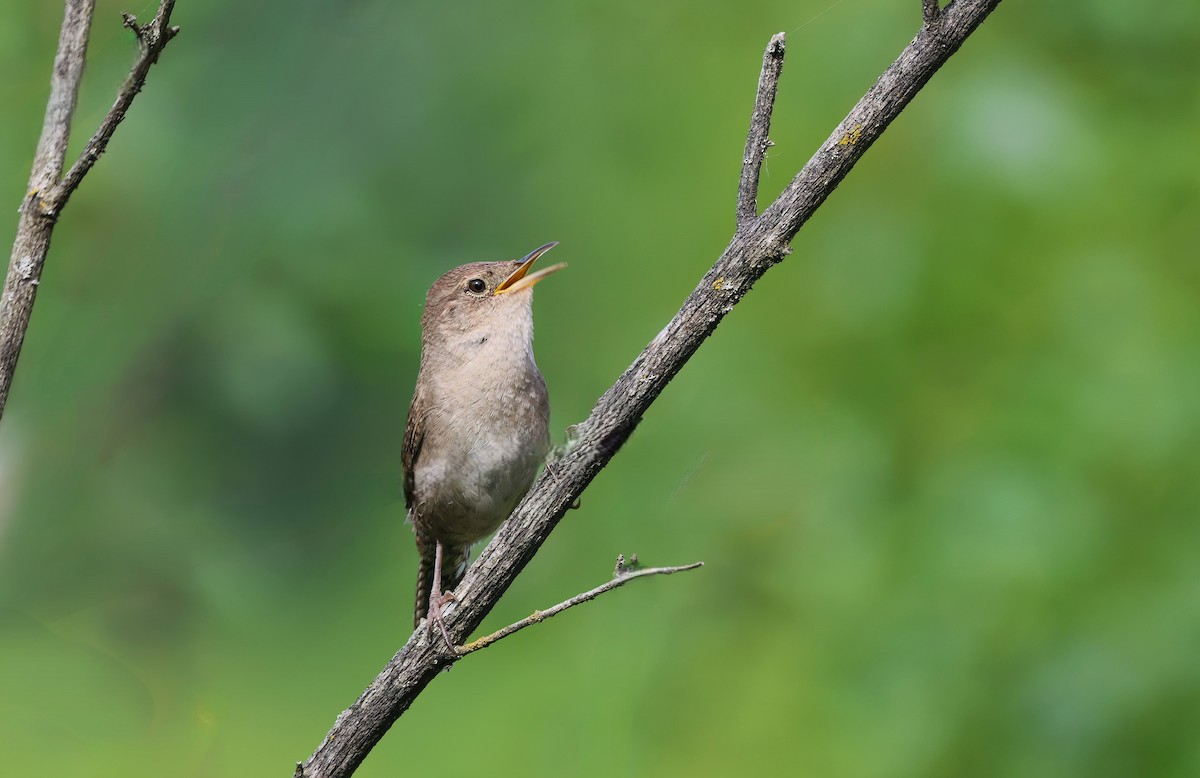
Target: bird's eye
(476, 285)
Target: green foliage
(941, 464)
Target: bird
(478, 424)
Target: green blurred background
(941, 464)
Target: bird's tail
(454, 566)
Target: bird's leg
(437, 599)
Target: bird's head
(484, 296)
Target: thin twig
(758, 140)
(622, 577)
(752, 251)
(47, 194)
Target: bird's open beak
(519, 280)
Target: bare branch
(754, 249)
(64, 92)
(622, 576)
(47, 195)
(758, 140)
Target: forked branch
(49, 190)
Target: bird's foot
(438, 601)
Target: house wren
(478, 426)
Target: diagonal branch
(758, 140)
(754, 249)
(47, 194)
(623, 575)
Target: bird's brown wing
(414, 436)
(456, 556)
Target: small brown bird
(478, 426)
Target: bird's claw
(436, 604)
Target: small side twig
(624, 573)
(757, 140)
